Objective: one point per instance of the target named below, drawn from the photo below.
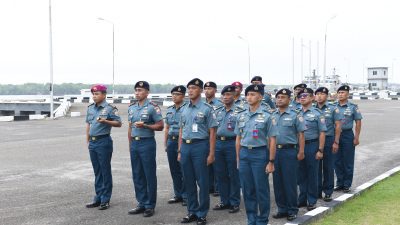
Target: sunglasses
(304, 95)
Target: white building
(378, 78)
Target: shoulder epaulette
(170, 106)
(239, 109)
(297, 110)
(207, 104)
(318, 110)
(90, 104)
(218, 107)
(153, 104)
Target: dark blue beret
(142, 84)
(283, 91)
(179, 88)
(228, 88)
(210, 84)
(344, 88)
(196, 82)
(322, 90)
(255, 88)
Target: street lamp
(51, 64)
(113, 52)
(326, 30)
(248, 52)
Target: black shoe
(346, 189)
(189, 218)
(234, 209)
(136, 210)
(280, 215)
(184, 202)
(300, 205)
(201, 221)
(175, 200)
(148, 212)
(338, 188)
(292, 217)
(211, 191)
(104, 206)
(311, 207)
(328, 198)
(320, 196)
(221, 206)
(216, 194)
(93, 205)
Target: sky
(175, 41)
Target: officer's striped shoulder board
(239, 109)
(318, 110)
(297, 110)
(169, 107)
(133, 103)
(218, 107)
(153, 103)
(205, 103)
(90, 104)
(271, 110)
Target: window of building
(384, 73)
(374, 72)
(373, 84)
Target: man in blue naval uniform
(197, 136)
(100, 117)
(210, 88)
(344, 162)
(295, 103)
(314, 135)
(289, 150)
(255, 151)
(225, 155)
(267, 97)
(144, 118)
(238, 99)
(332, 135)
(171, 137)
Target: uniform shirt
(289, 123)
(227, 120)
(295, 105)
(314, 123)
(255, 128)
(267, 99)
(241, 102)
(196, 120)
(349, 112)
(149, 113)
(215, 103)
(331, 114)
(172, 119)
(103, 110)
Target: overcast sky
(174, 41)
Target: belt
(192, 141)
(137, 138)
(311, 141)
(173, 137)
(253, 147)
(223, 138)
(286, 146)
(347, 129)
(95, 138)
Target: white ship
(332, 82)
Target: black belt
(311, 141)
(253, 147)
(347, 129)
(173, 137)
(137, 138)
(192, 141)
(286, 146)
(95, 138)
(223, 138)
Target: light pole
(326, 30)
(113, 53)
(51, 63)
(248, 52)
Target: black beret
(210, 84)
(306, 90)
(228, 88)
(344, 88)
(300, 86)
(179, 88)
(142, 84)
(256, 78)
(196, 82)
(283, 91)
(255, 88)
(322, 90)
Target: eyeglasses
(177, 94)
(304, 95)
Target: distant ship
(332, 82)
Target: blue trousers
(175, 168)
(227, 173)
(195, 172)
(255, 184)
(344, 160)
(285, 180)
(325, 171)
(143, 162)
(100, 154)
(308, 175)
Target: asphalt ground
(46, 175)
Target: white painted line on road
(291, 224)
(364, 186)
(317, 211)
(380, 177)
(343, 197)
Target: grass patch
(378, 205)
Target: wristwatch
(272, 160)
(320, 150)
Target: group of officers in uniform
(229, 145)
